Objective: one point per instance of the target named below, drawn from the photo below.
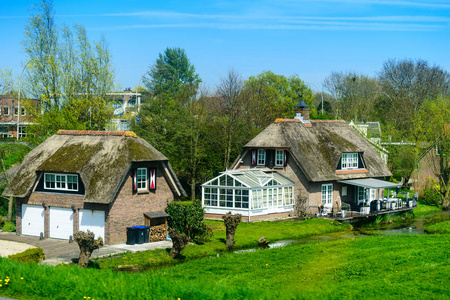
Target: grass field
(442, 228)
(376, 267)
(247, 235)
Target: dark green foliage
(431, 196)
(188, 219)
(31, 255)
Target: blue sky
(307, 38)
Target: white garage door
(92, 220)
(61, 223)
(32, 220)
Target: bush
(431, 197)
(188, 219)
(29, 256)
(9, 226)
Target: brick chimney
(301, 110)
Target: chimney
(301, 110)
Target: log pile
(157, 233)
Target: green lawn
(442, 227)
(247, 235)
(423, 209)
(375, 267)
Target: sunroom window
(349, 161)
(62, 182)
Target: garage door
(32, 220)
(61, 223)
(92, 220)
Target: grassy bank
(247, 235)
(442, 228)
(422, 209)
(390, 267)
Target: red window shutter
(134, 175)
(285, 158)
(152, 179)
(253, 156)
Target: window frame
(277, 160)
(140, 180)
(62, 181)
(3, 110)
(350, 161)
(328, 199)
(16, 111)
(261, 161)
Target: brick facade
(267, 217)
(127, 209)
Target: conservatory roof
(249, 178)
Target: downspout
(249, 204)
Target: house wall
(125, 211)
(425, 171)
(128, 210)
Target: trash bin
(146, 234)
(131, 235)
(140, 234)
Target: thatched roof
(318, 148)
(102, 159)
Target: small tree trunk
(179, 242)
(231, 223)
(87, 244)
(10, 207)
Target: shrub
(29, 256)
(431, 197)
(188, 219)
(9, 226)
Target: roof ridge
(97, 133)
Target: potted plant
(344, 208)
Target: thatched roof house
(319, 157)
(112, 172)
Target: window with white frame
(361, 194)
(288, 196)
(61, 182)
(16, 110)
(344, 191)
(22, 132)
(24, 112)
(327, 194)
(141, 179)
(261, 160)
(349, 161)
(279, 158)
(6, 110)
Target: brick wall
(128, 209)
(266, 217)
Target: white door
(32, 220)
(61, 223)
(92, 220)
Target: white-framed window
(22, 132)
(349, 161)
(327, 194)
(141, 179)
(361, 195)
(261, 160)
(6, 110)
(279, 158)
(344, 191)
(24, 111)
(16, 110)
(288, 195)
(62, 182)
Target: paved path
(61, 251)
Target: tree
(6, 82)
(87, 243)
(231, 223)
(409, 83)
(433, 126)
(187, 219)
(67, 74)
(355, 95)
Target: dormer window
(349, 161)
(279, 158)
(61, 182)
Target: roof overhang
(371, 183)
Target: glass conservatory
(248, 192)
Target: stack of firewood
(157, 233)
